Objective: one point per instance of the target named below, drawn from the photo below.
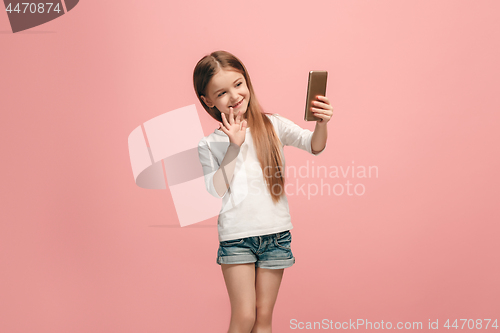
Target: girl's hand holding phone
(235, 129)
(322, 110)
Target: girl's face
(227, 88)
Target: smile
(238, 104)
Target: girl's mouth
(237, 104)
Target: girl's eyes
(238, 84)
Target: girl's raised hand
(235, 129)
(322, 110)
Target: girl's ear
(207, 102)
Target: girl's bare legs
(252, 293)
(267, 284)
(240, 284)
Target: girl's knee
(264, 314)
(246, 317)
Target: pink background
(415, 89)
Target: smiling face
(227, 88)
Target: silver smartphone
(316, 86)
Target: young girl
(242, 163)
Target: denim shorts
(268, 251)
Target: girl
(242, 163)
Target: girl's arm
(320, 134)
(324, 111)
(224, 174)
(235, 129)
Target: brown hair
(267, 143)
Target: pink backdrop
(415, 90)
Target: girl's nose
(234, 96)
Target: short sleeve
(292, 134)
(209, 164)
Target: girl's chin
(237, 112)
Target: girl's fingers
(244, 125)
(222, 128)
(323, 98)
(238, 118)
(227, 127)
(224, 120)
(231, 116)
(323, 105)
(321, 116)
(317, 110)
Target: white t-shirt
(247, 207)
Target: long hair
(267, 143)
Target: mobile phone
(315, 87)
